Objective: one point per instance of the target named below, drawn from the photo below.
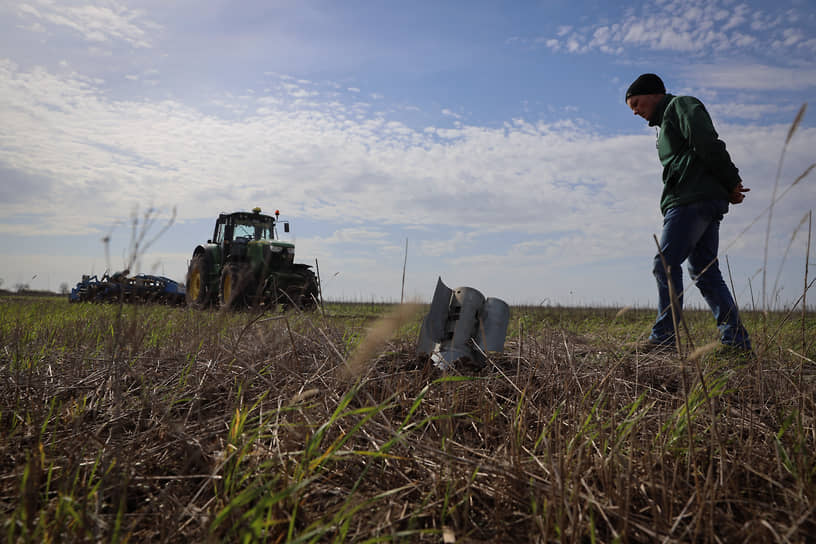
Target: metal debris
(462, 326)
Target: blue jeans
(692, 233)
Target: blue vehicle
(120, 287)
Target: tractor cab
(246, 226)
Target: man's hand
(738, 194)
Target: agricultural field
(147, 423)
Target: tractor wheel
(236, 285)
(309, 294)
(198, 293)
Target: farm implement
(120, 287)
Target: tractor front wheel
(311, 294)
(304, 293)
(198, 293)
(236, 280)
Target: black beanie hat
(646, 84)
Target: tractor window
(253, 230)
(242, 231)
(219, 233)
(263, 232)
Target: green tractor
(245, 264)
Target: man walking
(699, 181)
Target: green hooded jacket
(696, 165)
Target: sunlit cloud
(114, 21)
(694, 27)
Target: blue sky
(493, 136)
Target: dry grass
(160, 424)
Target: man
(699, 181)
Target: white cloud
(703, 27)
(574, 46)
(600, 37)
(458, 242)
(741, 40)
(739, 16)
(757, 77)
(734, 110)
(788, 38)
(346, 235)
(95, 21)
